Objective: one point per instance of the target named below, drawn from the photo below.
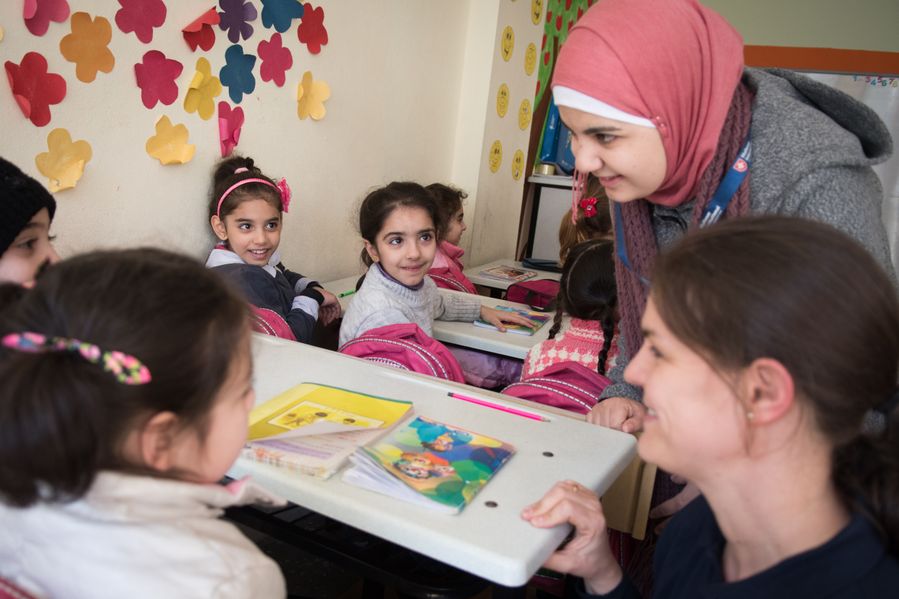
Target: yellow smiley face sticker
(502, 100)
(536, 11)
(495, 156)
(524, 114)
(507, 43)
(530, 59)
(517, 164)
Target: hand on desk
(587, 554)
(329, 311)
(619, 413)
(498, 317)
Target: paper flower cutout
(204, 89)
(280, 13)
(39, 13)
(235, 19)
(169, 145)
(200, 32)
(156, 78)
(237, 74)
(276, 59)
(230, 124)
(311, 96)
(87, 45)
(141, 17)
(312, 30)
(34, 89)
(64, 164)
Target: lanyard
(712, 213)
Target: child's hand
(498, 317)
(329, 311)
(620, 413)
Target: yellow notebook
(313, 428)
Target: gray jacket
(812, 151)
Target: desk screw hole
(548, 454)
(491, 504)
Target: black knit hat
(21, 197)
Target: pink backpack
(567, 385)
(443, 279)
(538, 294)
(407, 347)
(271, 323)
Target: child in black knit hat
(26, 211)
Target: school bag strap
(10, 591)
(567, 385)
(271, 323)
(406, 347)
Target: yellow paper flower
(311, 96)
(87, 45)
(169, 145)
(64, 164)
(203, 90)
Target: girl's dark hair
(587, 291)
(62, 418)
(225, 176)
(808, 296)
(449, 202)
(380, 203)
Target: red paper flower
(312, 30)
(141, 17)
(276, 59)
(39, 13)
(200, 32)
(588, 205)
(34, 89)
(156, 78)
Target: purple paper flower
(237, 74)
(235, 19)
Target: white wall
(408, 83)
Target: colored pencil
(346, 293)
(501, 408)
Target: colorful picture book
(508, 274)
(429, 463)
(538, 318)
(314, 428)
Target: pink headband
(282, 187)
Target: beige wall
(845, 24)
(410, 84)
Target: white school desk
(491, 542)
(474, 276)
(465, 333)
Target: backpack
(271, 323)
(445, 281)
(407, 347)
(540, 293)
(567, 385)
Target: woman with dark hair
(769, 367)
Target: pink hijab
(673, 62)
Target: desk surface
(473, 274)
(493, 543)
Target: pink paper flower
(156, 76)
(141, 17)
(39, 13)
(276, 59)
(230, 124)
(312, 30)
(33, 88)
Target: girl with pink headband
(245, 214)
(680, 134)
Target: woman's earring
(749, 415)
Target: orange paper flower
(311, 96)
(64, 164)
(169, 145)
(204, 89)
(87, 45)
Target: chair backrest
(567, 385)
(271, 323)
(540, 293)
(10, 591)
(407, 347)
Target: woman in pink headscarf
(680, 133)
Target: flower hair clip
(127, 369)
(284, 190)
(588, 205)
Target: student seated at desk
(127, 383)
(769, 371)
(447, 267)
(399, 224)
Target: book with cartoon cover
(538, 318)
(509, 274)
(429, 463)
(314, 428)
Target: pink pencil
(507, 409)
